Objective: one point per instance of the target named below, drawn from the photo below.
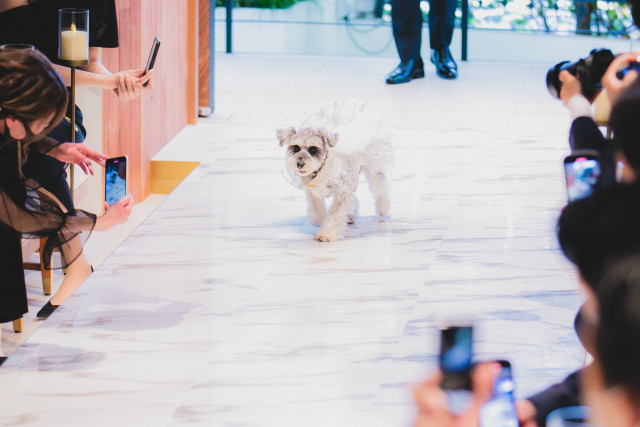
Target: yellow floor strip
(167, 175)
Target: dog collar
(322, 174)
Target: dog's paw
(383, 206)
(327, 236)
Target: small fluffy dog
(324, 168)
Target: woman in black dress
(36, 23)
(33, 99)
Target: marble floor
(220, 309)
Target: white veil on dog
(359, 128)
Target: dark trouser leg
(406, 20)
(442, 15)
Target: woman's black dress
(37, 24)
(26, 213)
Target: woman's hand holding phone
(129, 84)
(432, 404)
(115, 214)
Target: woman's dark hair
(618, 336)
(30, 88)
(625, 124)
(599, 228)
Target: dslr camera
(588, 70)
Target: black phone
(456, 353)
(115, 179)
(582, 173)
(152, 58)
(500, 410)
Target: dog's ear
(284, 135)
(330, 139)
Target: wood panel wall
(205, 95)
(141, 128)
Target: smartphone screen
(582, 173)
(115, 179)
(456, 352)
(500, 410)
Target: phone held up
(115, 179)
(152, 58)
(500, 410)
(456, 352)
(582, 172)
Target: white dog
(324, 168)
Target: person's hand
(431, 400)
(129, 83)
(611, 82)
(571, 86)
(526, 413)
(78, 154)
(115, 214)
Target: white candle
(74, 45)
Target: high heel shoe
(46, 311)
(2, 360)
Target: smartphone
(152, 58)
(582, 173)
(500, 410)
(115, 179)
(456, 352)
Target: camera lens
(553, 78)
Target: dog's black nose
(300, 165)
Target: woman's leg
(77, 272)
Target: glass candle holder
(17, 46)
(73, 35)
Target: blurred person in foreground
(592, 233)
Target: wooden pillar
(141, 128)
(206, 52)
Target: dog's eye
(313, 150)
(295, 148)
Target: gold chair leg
(17, 325)
(46, 285)
(45, 271)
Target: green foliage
(591, 16)
(263, 4)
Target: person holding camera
(620, 157)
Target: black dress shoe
(406, 71)
(47, 310)
(445, 65)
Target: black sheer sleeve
(41, 216)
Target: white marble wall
(221, 309)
